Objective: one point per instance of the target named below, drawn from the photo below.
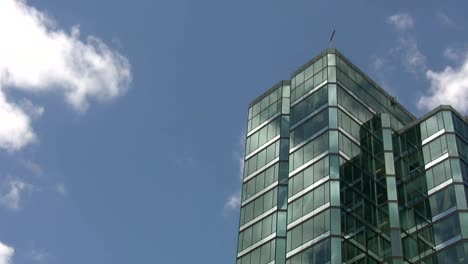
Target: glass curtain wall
(337, 171)
(262, 231)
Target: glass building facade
(337, 171)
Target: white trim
(440, 187)
(436, 161)
(309, 188)
(444, 213)
(342, 86)
(344, 155)
(435, 218)
(356, 258)
(258, 218)
(307, 164)
(255, 173)
(349, 136)
(351, 235)
(254, 246)
(306, 118)
(414, 229)
(306, 217)
(307, 244)
(434, 136)
(448, 242)
(362, 247)
(265, 145)
(300, 99)
(422, 254)
(263, 124)
(260, 193)
(307, 140)
(344, 110)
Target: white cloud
(238, 155)
(449, 86)
(412, 58)
(6, 254)
(15, 131)
(33, 167)
(377, 63)
(456, 53)
(407, 49)
(14, 190)
(31, 109)
(445, 19)
(401, 21)
(38, 256)
(233, 202)
(61, 189)
(38, 57)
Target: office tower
(337, 171)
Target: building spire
(330, 45)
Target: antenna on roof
(331, 39)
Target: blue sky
(122, 122)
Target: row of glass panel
(354, 171)
(309, 128)
(260, 182)
(395, 123)
(308, 202)
(353, 106)
(461, 127)
(319, 253)
(308, 230)
(347, 146)
(464, 171)
(456, 254)
(264, 115)
(309, 151)
(257, 232)
(352, 254)
(369, 93)
(362, 241)
(413, 162)
(262, 158)
(363, 209)
(263, 135)
(431, 236)
(441, 172)
(258, 206)
(310, 71)
(440, 146)
(413, 137)
(405, 143)
(462, 148)
(362, 82)
(310, 104)
(424, 210)
(261, 255)
(265, 103)
(348, 124)
(421, 183)
(436, 123)
(308, 176)
(309, 84)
